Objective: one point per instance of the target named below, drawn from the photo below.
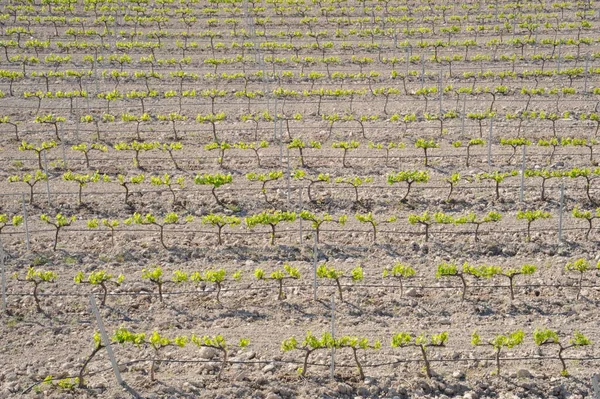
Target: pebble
(524, 373)
(459, 375)
(207, 353)
(344, 389)
(411, 292)
(242, 375)
(268, 368)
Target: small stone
(242, 375)
(524, 373)
(411, 292)
(344, 389)
(470, 395)
(272, 395)
(459, 375)
(508, 252)
(207, 353)
(268, 368)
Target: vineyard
(292, 198)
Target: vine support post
(316, 255)
(106, 341)
(261, 58)
(4, 305)
(275, 121)
(300, 210)
(25, 221)
(464, 112)
(441, 89)
(522, 175)
(585, 75)
(490, 142)
(47, 180)
(596, 386)
(96, 73)
(287, 179)
(558, 58)
(407, 59)
(514, 27)
(422, 70)
(77, 119)
(64, 154)
(332, 367)
(560, 212)
(280, 143)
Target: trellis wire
(309, 287)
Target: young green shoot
(589, 216)
(317, 221)
(452, 270)
(6, 220)
(288, 272)
(37, 277)
(346, 146)
(403, 339)
(580, 266)
(169, 218)
(264, 178)
(336, 275)
(169, 182)
(30, 179)
(310, 344)
(497, 177)
(370, 219)
(550, 337)
(83, 180)
(409, 177)
(400, 272)
(270, 218)
(219, 343)
(124, 182)
(453, 181)
(355, 182)
(508, 341)
(221, 221)
(100, 278)
(472, 218)
(155, 276)
(98, 346)
(356, 344)
(426, 145)
(320, 178)
(532, 216)
(215, 180)
(511, 273)
(58, 223)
